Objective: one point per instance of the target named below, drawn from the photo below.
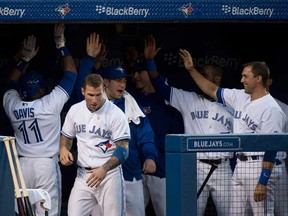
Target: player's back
(36, 123)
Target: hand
(29, 49)
(93, 45)
(188, 62)
(102, 54)
(96, 177)
(150, 50)
(66, 157)
(59, 35)
(149, 166)
(260, 193)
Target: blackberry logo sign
(249, 11)
(125, 11)
(6, 11)
(170, 58)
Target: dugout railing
(181, 178)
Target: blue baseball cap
(113, 72)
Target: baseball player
(281, 190)
(255, 111)
(35, 118)
(142, 136)
(164, 119)
(102, 133)
(201, 115)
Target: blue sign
(213, 143)
(140, 10)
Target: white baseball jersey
(202, 116)
(96, 132)
(36, 124)
(258, 116)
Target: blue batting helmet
(30, 84)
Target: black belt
(278, 162)
(86, 168)
(215, 161)
(242, 157)
(21, 156)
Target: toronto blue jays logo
(147, 109)
(63, 10)
(186, 9)
(104, 145)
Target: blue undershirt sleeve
(84, 70)
(68, 81)
(161, 87)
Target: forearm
(65, 143)
(204, 84)
(119, 156)
(67, 59)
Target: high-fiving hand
(29, 49)
(59, 37)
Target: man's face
(141, 79)
(115, 88)
(248, 80)
(93, 97)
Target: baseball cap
(30, 84)
(113, 72)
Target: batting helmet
(30, 84)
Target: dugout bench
(181, 178)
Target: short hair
(215, 69)
(94, 80)
(259, 68)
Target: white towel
(132, 110)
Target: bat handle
(14, 177)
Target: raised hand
(29, 49)
(59, 37)
(188, 62)
(93, 45)
(150, 50)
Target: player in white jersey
(102, 133)
(255, 111)
(201, 115)
(281, 191)
(36, 122)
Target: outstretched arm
(205, 85)
(93, 47)
(150, 52)
(59, 38)
(28, 51)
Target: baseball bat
(28, 206)
(20, 205)
(213, 167)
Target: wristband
(264, 177)
(121, 153)
(151, 65)
(22, 65)
(64, 52)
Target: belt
(86, 168)
(21, 156)
(242, 157)
(214, 161)
(278, 162)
